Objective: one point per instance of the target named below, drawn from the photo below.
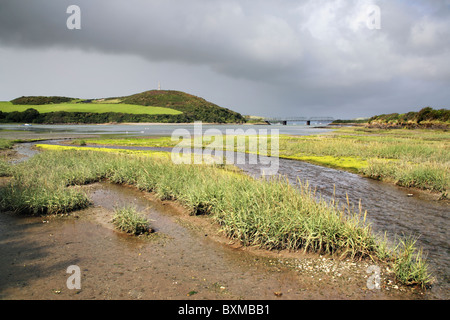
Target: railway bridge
(307, 120)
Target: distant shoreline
(120, 123)
(175, 123)
(429, 126)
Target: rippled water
(390, 209)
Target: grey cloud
(317, 54)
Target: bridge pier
(284, 120)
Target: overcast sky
(257, 57)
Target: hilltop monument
(159, 86)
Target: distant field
(6, 106)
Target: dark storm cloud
(316, 54)
(216, 33)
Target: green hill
(151, 106)
(427, 117)
(195, 108)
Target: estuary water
(154, 129)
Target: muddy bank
(10, 155)
(187, 258)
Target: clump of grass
(79, 142)
(127, 219)
(409, 265)
(37, 200)
(6, 144)
(39, 186)
(426, 175)
(5, 168)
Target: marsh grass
(269, 214)
(5, 168)
(135, 141)
(428, 175)
(129, 220)
(6, 144)
(411, 158)
(82, 147)
(409, 263)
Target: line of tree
(427, 114)
(33, 116)
(40, 100)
